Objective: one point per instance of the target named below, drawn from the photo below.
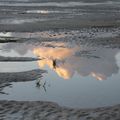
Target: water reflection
(26, 76)
(67, 59)
(97, 62)
(81, 63)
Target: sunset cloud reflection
(66, 63)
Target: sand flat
(71, 49)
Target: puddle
(78, 75)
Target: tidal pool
(77, 75)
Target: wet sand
(12, 110)
(29, 16)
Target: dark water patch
(6, 41)
(17, 59)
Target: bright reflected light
(38, 11)
(98, 76)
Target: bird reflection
(54, 64)
(40, 84)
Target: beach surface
(12, 110)
(72, 38)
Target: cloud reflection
(96, 62)
(66, 59)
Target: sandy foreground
(12, 110)
(41, 110)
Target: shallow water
(77, 43)
(78, 74)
